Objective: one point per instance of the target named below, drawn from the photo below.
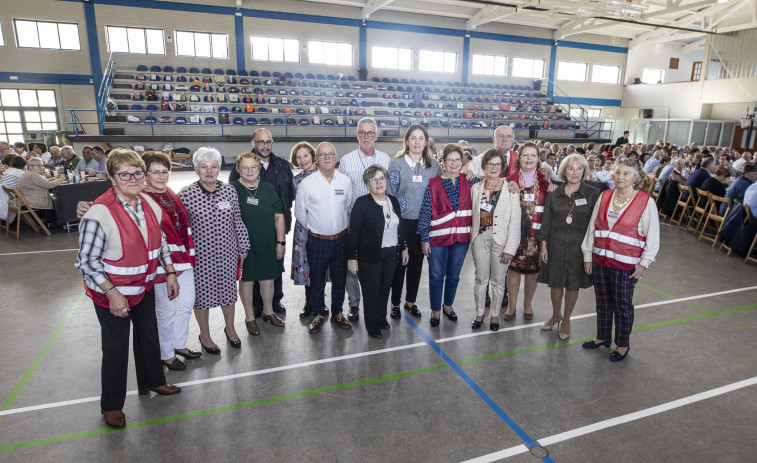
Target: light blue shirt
(651, 164)
(750, 197)
(666, 172)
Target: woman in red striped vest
(534, 186)
(173, 315)
(121, 247)
(622, 240)
(444, 224)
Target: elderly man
(5, 148)
(278, 173)
(88, 162)
(653, 162)
(70, 158)
(697, 178)
(353, 164)
(323, 206)
(745, 159)
(55, 158)
(551, 161)
(101, 158)
(738, 188)
(503, 139)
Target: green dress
(261, 262)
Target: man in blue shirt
(697, 178)
(738, 188)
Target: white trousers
(173, 316)
(489, 271)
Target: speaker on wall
(646, 113)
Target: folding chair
(753, 247)
(699, 212)
(715, 218)
(687, 205)
(17, 203)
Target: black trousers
(375, 281)
(257, 299)
(414, 266)
(115, 347)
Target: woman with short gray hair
(221, 243)
(35, 185)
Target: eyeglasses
(249, 168)
(159, 173)
(453, 161)
(208, 168)
(366, 134)
(126, 176)
(326, 155)
(264, 142)
(378, 180)
(496, 165)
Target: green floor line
(212, 411)
(673, 297)
(38, 360)
(746, 326)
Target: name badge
(387, 227)
(581, 202)
(613, 214)
(339, 192)
(486, 207)
(529, 197)
(417, 178)
(253, 201)
(224, 205)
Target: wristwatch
(283, 243)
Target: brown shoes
(273, 319)
(354, 314)
(341, 321)
(115, 418)
(166, 389)
(174, 364)
(252, 327)
(316, 324)
(508, 316)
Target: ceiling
(686, 22)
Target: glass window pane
(48, 116)
(489, 65)
(69, 36)
(48, 35)
(259, 48)
(26, 34)
(477, 64)
(12, 116)
(405, 59)
(500, 66)
(117, 40)
(202, 45)
(275, 49)
(330, 53)
(2, 118)
(450, 62)
(136, 40)
(155, 44)
(14, 137)
(185, 45)
(46, 97)
(292, 50)
(220, 46)
(378, 57)
(9, 97)
(315, 52)
(33, 126)
(28, 97)
(345, 54)
(50, 126)
(2, 133)
(14, 127)
(391, 58)
(2, 41)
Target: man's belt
(331, 237)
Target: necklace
(252, 196)
(168, 205)
(569, 219)
(619, 205)
(211, 194)
(498, 186)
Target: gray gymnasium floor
(686, 392)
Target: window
(135, 40)
(526, 67)
(273, 49)
(567, 70)
(652, 76)
(2, 41)
(437, 61)
(46, 34)
(392, 58)
(202, 45)
(330, 53)
(696, 70)
(489, 65)
(605, 74)
(594, 112)
(26, 110)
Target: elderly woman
(622, 240)
(303, 157)
(10, 178)
(566, 216)
(409, 174)
(263, 216)
(495, 235)
(717, 183)
(669, 197)
(375, 246)
(534, 186)
(121, 247)
(221, 243)
(444, 224)
(35, 185)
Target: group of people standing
(151, 255)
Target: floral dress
(526, 259)
(300, 268)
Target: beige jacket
(36, 189)
(506, 219)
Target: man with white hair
(322, 207)
(70, 158)
(503, 139)
(5, 148)
(353, 164)
(653, 162)
(55, 157)
(739, 163)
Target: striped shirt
(354, 163)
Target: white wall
(589, 89)
(657, 56)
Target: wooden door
(743, 139)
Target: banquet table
(67, 195)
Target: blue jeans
(444, 266)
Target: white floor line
(578, 432)
(36, 252)
(216, 379)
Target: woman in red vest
(444, 224)
(173, 316)
(534, 186)
(121, 247)
(622, 240)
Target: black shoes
(354, 314)
(395, 313)
(434, 321)
(616, 356)
(306, 311)
(415, 311)
(494, 326)
(385, 325)
(451, 315)
(376, 335)
(476, 324)
(279, 308)
(235, 344)
(210, 350)
(189, 354)
(593, 345)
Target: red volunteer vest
(183, 257)
(448, 225)
(622, 246)
(134, 272)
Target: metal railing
(103, 93)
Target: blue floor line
(477, 389)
